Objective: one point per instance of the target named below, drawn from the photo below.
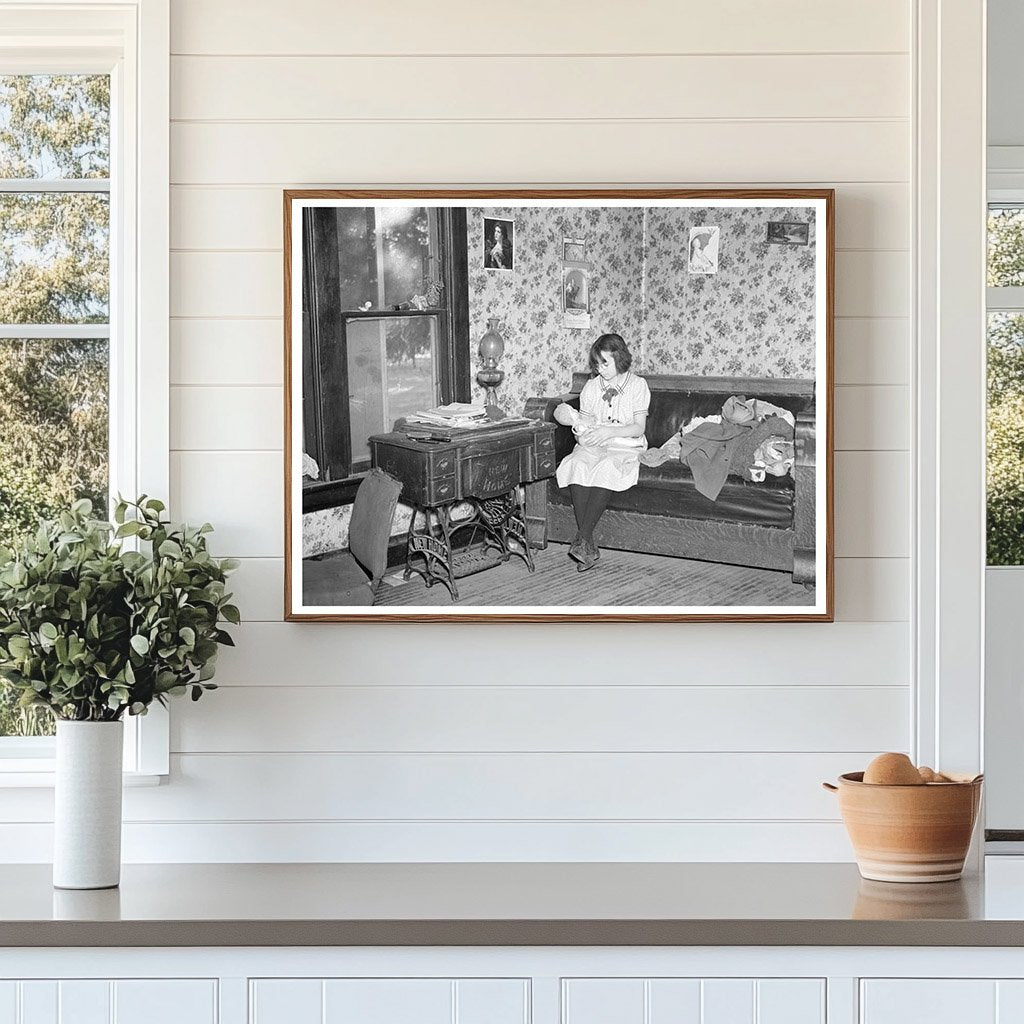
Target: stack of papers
(455, 414)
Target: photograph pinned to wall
(788, 232)
(576, 296)
(670, 459)
(703, 258)
(499, 244)
(574, 250)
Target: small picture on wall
(576, 295)
(499, 244)
(574, 250)
(703, 250)
(788, 232)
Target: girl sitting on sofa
(609, 429)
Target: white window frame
(130, 41)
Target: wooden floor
(620, 578)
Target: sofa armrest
(805, 497)
(543, 409)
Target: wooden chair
(341, 578)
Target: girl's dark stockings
(589, 504)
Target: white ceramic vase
(87, 805)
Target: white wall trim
(949, 455)
(42, 36)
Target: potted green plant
(99, 620)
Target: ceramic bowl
(909, 833)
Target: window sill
(36, 776)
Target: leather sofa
(769, 525)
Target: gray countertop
(488, 904)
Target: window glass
(54, 126)
(1006, 246)
(392, 366)
(54, 274)
(1005, 477)
(54, 257)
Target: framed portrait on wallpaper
(479, 428)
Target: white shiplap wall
(680, 741)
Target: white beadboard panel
(227, 352)
(872, 350)
(674, 1000)
(388, 1001)
(492, 1001)
(9, 1002)
(867, 589)
(872, 418)
(241, 493)
(727, 1001)
(790, 1000)
(39, 1003)
(603, 1001)
(468, 787)
(460, 26)
(872, 589)
(868, 216)
(232, 284)
(492, 719)
(236, 418)
(282, 842)
(86, 1002)
(148, 1001)
(671, 654)
(873, 283)
(286, 1001)
(872, 504)
(573, 152)
(935, 1000)
(702, 86)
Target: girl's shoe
(578, 549)
(591, 555)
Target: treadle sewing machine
(490, 467)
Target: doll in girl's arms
(570, 417)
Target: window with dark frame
(385, 332)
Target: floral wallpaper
(540, 354)
(754, 318)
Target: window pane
(387, 256)
(53, 449)
(54, 264)
(392, 365)
(54, 126)
(1005, 246)
(1005, 482)
(406, 254)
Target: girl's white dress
(616, 463)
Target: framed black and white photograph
(703, 251)
(454, 453)
(787, 232)
(499, 243)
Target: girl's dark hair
(614, 344)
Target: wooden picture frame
(358, 343)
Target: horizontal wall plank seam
(308, 121)
(176, 822)
(514, 54)
(569, 183)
